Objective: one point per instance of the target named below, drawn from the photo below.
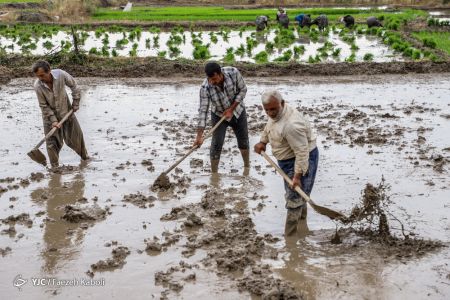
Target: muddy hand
(260, 147)
(296, 182)
(198, 142)
(228, 114)
(55, 124)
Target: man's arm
(47, 111)
(76, 92)
(261, 146)
(241, 89)
(202, 116)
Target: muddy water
(128, 121)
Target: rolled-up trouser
(295, 205)
(239, 127)
(71, 134)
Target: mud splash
(370, 219)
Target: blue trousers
(293, 199)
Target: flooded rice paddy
(222, 236)
(163, 44)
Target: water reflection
(60, 237)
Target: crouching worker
(294, 146)
(262, 22)
(50, 88)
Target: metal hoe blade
(37, 156)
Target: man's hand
(296, 181)
(55, 124)
(228, 113)
(260, 147)
(198, 142)
(199, 139)
(75, 108)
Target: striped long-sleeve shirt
(234, 89)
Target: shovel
(36, 154)
(320, 209)
(163, 180)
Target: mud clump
(7, 180)
(119, 255)
(22, 219)
(37, 176)
(267, 287)
(140, 200)
(3, 190)
(77, 214)
(193, 220)
(161, 183)
(4, 252)
(149, 164)
(196, 163)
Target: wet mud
(17, 67)
(222, 235)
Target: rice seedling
(269, 47)
(368, 57)
(240, 51)
(105, 51)
(353, 47)
(351, 58)
(213, 38)
(94, 51)
(133, 51)
(174, 51)
(201, 51)
(48, 45)
(262, 57)
(229, 56)
(286, 56)
(156, 41)
(336, 52)
(298, 51)
(162, 53)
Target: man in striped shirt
(223, 91)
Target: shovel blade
(162, 182)
(37, 156)
(332, 214)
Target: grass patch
(440, 40)
(20, 1)
(214, 13)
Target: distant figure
(282, 17)
(373, 22)
(261, 23)
(348, 20)
(303, 20)
(281, 11)
(127, 7)
(321, 22)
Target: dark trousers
(71, 134)
(240, 129)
